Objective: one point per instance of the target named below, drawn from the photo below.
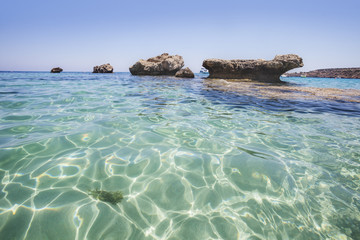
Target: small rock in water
(105, 68)
(56, 70)
(185, 73)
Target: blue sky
(76, 35)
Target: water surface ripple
(193, 162)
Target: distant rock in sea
(164, 64)
(185, 73)
(258, 70)
(56, 70)
(329, 73)
(105, 68)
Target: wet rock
(56, 70)
(105, 68)
(258, 70)
(185, 73)
(164, 64)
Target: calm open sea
(191, 161)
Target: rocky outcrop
(258, 70)
(56, 70)
(164, 64)
(329, 73)
(105, 68)
(185, 73)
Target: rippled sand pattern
(192, 162)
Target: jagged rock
(105, 68)
(164, 64)
(56, 70)
(329, 73)
(185, 73)
(258, 70)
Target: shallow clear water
(192, 162)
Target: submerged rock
(107, 196)
(105, 68)
(185, 73)
(282, 91)
(258, 70)
(56, 70)
(164, 64)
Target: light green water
(192, 163)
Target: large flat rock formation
(329, 73)
(257, 70)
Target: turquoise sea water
(192, 162)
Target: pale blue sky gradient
(76, 35)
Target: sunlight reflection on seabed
(191, 163)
